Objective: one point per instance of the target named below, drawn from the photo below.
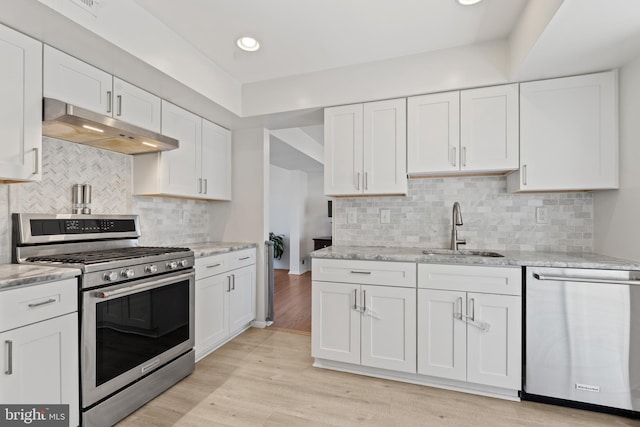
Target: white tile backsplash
(493, 218)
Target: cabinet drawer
(495, 280)
(23, 306)
(401, 274)
(212, 265)
(242, 258)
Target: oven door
(130, 329)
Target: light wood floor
(292, 302)
(265, 378)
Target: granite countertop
(511, 258)
(16, 275)
(203, 249)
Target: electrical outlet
(385, 216)
(542, 215)
(352, 216)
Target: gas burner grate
(95, 257)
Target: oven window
(134, 328)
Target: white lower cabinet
(470, 336)
(225, 298)
(39, 357)
(370, 325)
(460, 329)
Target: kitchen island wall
(164, 221)
(493, 218)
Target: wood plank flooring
(292, 302)
(265, 378)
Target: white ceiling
(304, 36)
(285, 156)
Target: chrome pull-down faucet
(456, 221)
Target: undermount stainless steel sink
(462, 252)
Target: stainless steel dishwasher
(583, 336)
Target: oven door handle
(142, 286)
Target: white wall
(246, 219)
(616, 212)
(317, 222)
(279, 208)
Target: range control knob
(172, 265)
(128, 273)
(151, 268)
(184, 263)
(111, 276)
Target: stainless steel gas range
(136, 316)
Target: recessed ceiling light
(468, 2)
(248, 43)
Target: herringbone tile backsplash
(164, 221)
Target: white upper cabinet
(467, 131)
(343, 150)
(216, 161)
(489, 129)
(136, 106)
(434, 133)
(75, 82)
(21, 107)
(365, 149)
(569, 134)
(200, 168)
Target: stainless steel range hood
(75, 124)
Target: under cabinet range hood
(75, 124)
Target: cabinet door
(181, 168)
(136, 106)
(494, 351)
(569, 138)
(433, 123)
(40, 364)
(442, 334)
(75, 82)
(21, 107)
(489, 133)
(385, 147)
(211, 312)
(335, 321)
(388, 335)
(343, 173)
(242, 298)
(216, 161)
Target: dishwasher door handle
(585, 279)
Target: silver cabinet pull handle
(119, 112)
(41, 303)
(36, 167)
(585, 279)
(366, 181)
(524, 174)
(364, 301)
(355, 299)
(454, 156)
(464, 156)
(472, 310)
(9, 345)
(243, 258)
(228, 283)
(199, 185)
(206, 186)
(109, 101)
(458, 309)
(359, 272)
(214, 265)
(233, 278)
(358, 181)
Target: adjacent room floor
(292, 302)
(265, 377)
